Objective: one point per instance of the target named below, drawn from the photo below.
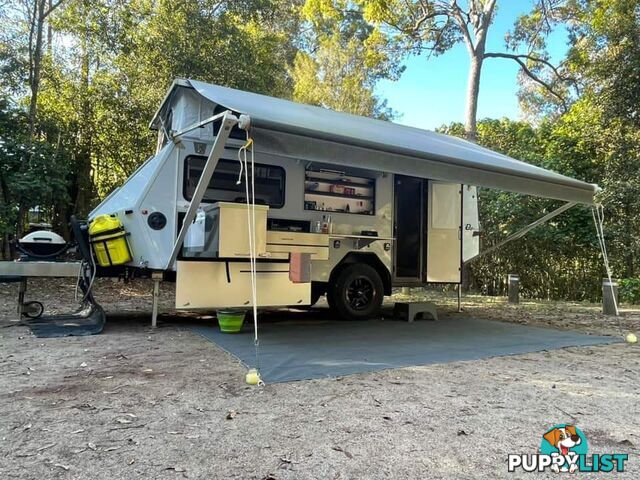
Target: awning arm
(228, 122)
(521, 233)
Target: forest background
(80, 80)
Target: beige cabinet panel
(444, 247)
(231, 229)
(205, 285)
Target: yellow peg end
(252, 377)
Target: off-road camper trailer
(251, 200)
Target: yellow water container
(108, 238)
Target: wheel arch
(368, 258)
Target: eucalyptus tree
(433, 27)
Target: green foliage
(102, 83)
(32, 173)
(415, 26)
(606, 53)
(629, 290)
(13, 68)
(603, 124)
(341, 60)
(603, 58)
(111, 62)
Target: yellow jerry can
(109, 242)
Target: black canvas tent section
(309, 133)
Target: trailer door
(444, 232)
(409, 229)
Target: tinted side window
(269, 182)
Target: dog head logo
(566, 441)
(563, 438)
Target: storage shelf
(368, 184)
(339, 202)
(331, 212)
(338, 195)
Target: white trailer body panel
(470, 223)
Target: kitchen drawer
(282, 251)
(316, 244)
(298, 238)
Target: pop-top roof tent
(305, 132)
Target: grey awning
(314, 133)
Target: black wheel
(357, 292)
(32, 309)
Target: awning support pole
(598, 218)
(521, 233)
(228, 122)
(22, 289)
(154, 307)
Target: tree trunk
(34, 86)
(7, 237)
(36, 60)
(473, 90)
(50, 32)
(83, 159)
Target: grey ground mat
(303, 349)
(89, 320)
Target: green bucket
(230, 321)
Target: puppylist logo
(564, 449)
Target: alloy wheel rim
(360, 293)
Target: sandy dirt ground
(141, 403)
